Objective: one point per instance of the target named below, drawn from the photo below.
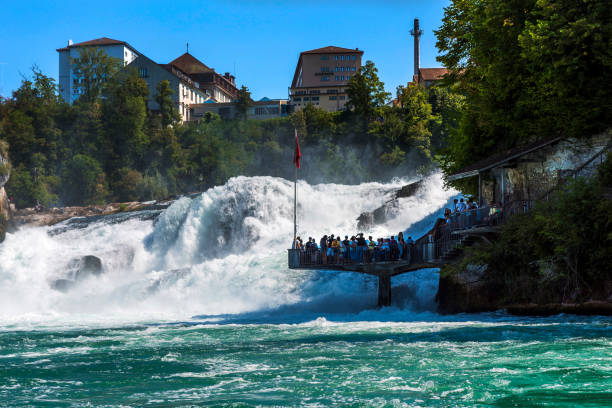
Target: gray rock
(78, 269)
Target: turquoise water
(368, 359)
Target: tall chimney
(416, 33)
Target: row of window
(336, 78)
(315, 92)
(339, 69)
(316, 98)
(340, 57)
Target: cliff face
(4, 203)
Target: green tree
(244, 102)
(92, 70)
(366, 92)
(83, 181)
(167, 108)
(124, 115)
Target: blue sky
(259, 41)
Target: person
(297, 244)
(323, 245)
(394, 248)
(361, 247)
(462, 206)
(402, 245)
(347, 247)
(456, 205)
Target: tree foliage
(529, 69)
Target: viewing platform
(441, 245)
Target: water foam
(223, 252)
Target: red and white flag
(297, 155)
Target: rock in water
(78, 269)
(88, 265)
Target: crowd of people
(334, 249)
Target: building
(429, 76)
(321, 77)
(114, 48)
(265, 108)
(186, 91)
(221, 88)
(191, 80)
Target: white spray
(223, 252)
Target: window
(333, 98)
(332, 91)
(315, 92)
(336, 57)
(324, 57)
(324, 78)
(260, 111)
(348, 77)
(337, 78)
(306, 98)
(341, 97)
(297, 99)
(314, 98)
(300, 92)
(353, 69)
(324, 69)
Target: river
(199, 308)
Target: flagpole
(295, 205)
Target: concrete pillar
(384, 290)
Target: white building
(187, 91)
(114, 48)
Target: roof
(432, 74)
(98, 42)
(502, 158)
(330, 49)
(190, 64)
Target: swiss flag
(297, 155)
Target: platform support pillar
(384, 290)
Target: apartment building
(321, 77)
(114, 48)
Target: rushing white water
(223, 252)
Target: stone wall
(535, 174)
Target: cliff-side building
(113, 48)
(321, 77)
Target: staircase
(462, 243)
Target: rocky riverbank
(472, 291)
(5, 210)
(44, 217)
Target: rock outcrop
(5, 210)
(389, 209)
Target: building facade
(221, 88)
(113, 48)
(185, 91)
(191, 80)
(321, 77)
(262, 109)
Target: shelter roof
(502, 158)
